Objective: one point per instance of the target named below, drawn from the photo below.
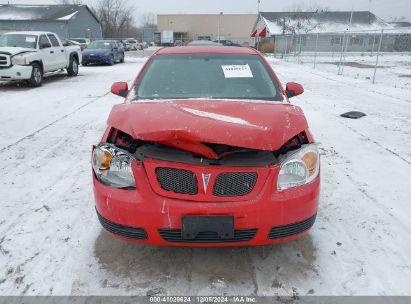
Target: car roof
(198, 49)
(34, 33)
(105, 40)
(202, 42)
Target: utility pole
(316, 49)
(258, 6)
(219, 26)
(340, 72)
(378, 56)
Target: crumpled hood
(97, 52)
(15, 50)
(252, 124)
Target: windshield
(99, 45)
(18, 40)
(216, 76)
(79, 40)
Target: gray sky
(385, 9)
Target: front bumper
(16, 72)
(142, 215)
(96, 59)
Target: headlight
(299, 167)
(19, 60)
(112, 166)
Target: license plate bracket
(223, 225)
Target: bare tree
(115, 16)
(148, 20)
(300, 19)
(399, 19)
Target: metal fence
(362, 53)
(382, 56)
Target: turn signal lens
(102, 159)
(310, 160)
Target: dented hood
(249, 124)
(15, 50)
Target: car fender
(39, 62)
(76, 55)
(33, 57)
(30, 56)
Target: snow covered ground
(393, 69)
(52, 244)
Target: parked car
(207, 150)
(70, 42)
(122, 41)
(178, 42)
(29, 55)
(132, 45)
(103, 52)
(82, 41)
(226, 42)
(202, 43)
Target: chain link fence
(365, 54)
(382, 56)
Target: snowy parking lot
(51, 242)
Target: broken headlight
(112, 166)
(299, 167)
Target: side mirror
(293, 89)
(120, 89)
(45, 45)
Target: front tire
(72, 70)
(111, 62)
(36, 78)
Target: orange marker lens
(310, 159)
(102, 159)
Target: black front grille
(174, 236)
(291, 229)
(177, 180)
(3, 60)
(125, 231)
(234, 184)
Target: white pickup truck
(29, 55)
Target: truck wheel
(36, 78)
(72, 70)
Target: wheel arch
(74, 55)
(40, 62)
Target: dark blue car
(103, 52)
(226, 42)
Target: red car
(206, 150)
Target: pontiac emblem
(206, 180)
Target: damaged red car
(206, 150)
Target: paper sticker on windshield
(30, 39)
(237, 71)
